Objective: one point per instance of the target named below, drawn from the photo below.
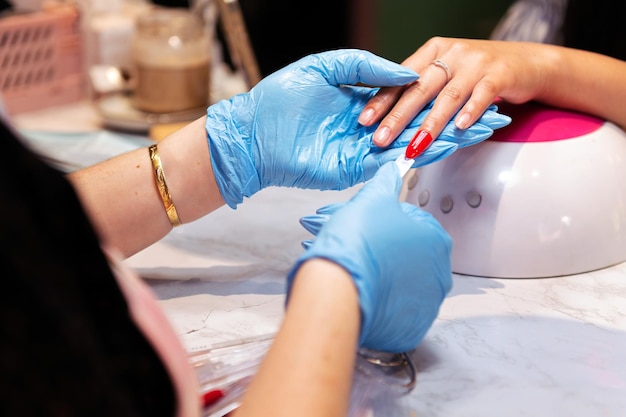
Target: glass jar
(171, 61)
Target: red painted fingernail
(420, 142)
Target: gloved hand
(397, 254)
(299, 127)
(451, 138)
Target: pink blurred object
(536, 122)
(41, 59)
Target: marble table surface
(500, 347)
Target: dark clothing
(596, 26)
(68, 346)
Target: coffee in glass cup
(171, 62)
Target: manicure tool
(420, 142)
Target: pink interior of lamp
(535, 122)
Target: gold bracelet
(161, 184)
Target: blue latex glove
(397, 254)
(299, 127)
(450, 139)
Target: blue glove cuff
(351, 264)
(233, 168)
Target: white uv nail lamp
(543, 197)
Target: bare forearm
(584, 81)
(308, 370)
(123, 202)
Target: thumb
(386, 183)
(352, 66)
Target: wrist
(347, 265)
(310, 365)
(324, 292)
(186, 160)
(233, 165)
(549, 65)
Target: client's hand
(397, 254)
(298, 127)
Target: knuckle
(386, 97)
(433, 43)
(453, 93)
(419, 89)
(434, 122)
(395, 117)
(489, 86)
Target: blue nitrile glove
(299, 127)
(450, 135)
(397, 254)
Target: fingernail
(420, 142)
(366, 116)
(381, 136)
(462, 121)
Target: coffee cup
(170, 62)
